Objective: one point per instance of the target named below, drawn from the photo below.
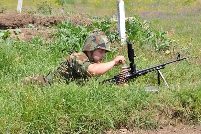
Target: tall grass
(93, 107)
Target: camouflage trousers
(44, 80)
(36, 80)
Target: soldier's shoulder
(79, 56)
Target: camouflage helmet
(95, 41)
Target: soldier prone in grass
(82, 65)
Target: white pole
(121, 21)
(19, 6)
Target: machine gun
(134, 73)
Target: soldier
(85, 64)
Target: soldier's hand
(119, 60)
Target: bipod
(161, 75)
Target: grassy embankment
(92, 108)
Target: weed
(45, 8)
(70, 38)
(4, 34)
(141, 32)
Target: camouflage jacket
(74, 67)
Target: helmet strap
(90, 55)
(91, 58)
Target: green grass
(93, 107)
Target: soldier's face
(98, 55)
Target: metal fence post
(19, 6)
(121, 21)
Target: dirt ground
(170, 129)
(31, 25)
(25, 26)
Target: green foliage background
(157, 35)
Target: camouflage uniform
(76, 65)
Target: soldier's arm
(101, 68)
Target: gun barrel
(178, 59)
(151, 69)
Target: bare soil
(32, 25)
(170, 129)
(40, 24)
